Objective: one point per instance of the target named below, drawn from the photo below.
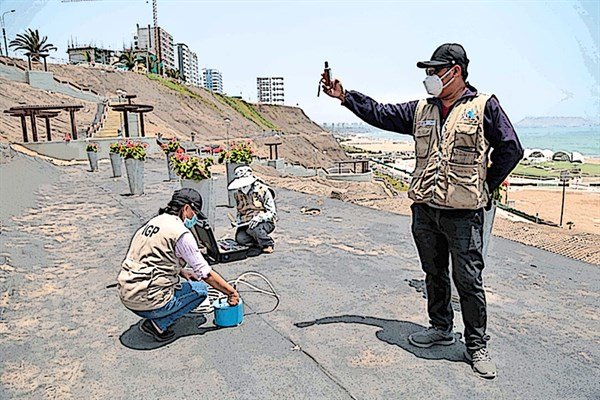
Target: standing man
(465, 146)
(256, 211)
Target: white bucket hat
(243, 176)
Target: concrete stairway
(111, 125)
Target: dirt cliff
(180, 110)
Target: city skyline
(540, 59)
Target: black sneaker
(148, 328)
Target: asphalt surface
(351, 293)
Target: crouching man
(256, 211)
(150, 282)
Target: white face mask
(246, 189)
(434, 85)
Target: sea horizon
(584, 139)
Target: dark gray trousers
(257, 236)
(457, 234)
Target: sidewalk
(347, 280)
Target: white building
(212, 80)
(270, 90)
(146, 38)
(187, 62)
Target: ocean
(585, 140)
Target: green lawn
(552, 169)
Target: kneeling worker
(149, 282)
(256, 212)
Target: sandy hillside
(14, 94)
(179, 110)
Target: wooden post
(24, 127)
(73, 126)
(33, 127)
(48, 134)
(142, 132)
(126, 123)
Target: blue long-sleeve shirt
(497, 129)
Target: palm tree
(34, 46)
(150, 62)
(129, 59)
(173, 73)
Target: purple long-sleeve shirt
(497, 129)
(186, 248)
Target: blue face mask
(189, 223)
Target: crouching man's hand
(254, 222)
(233, 298)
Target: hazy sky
(541, 58)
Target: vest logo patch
(427, 122)
(150, 230)
(470, 115)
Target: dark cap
(446, 55)
(189, 196)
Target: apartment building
(165, 50)
(187, 62)
(212, 80)
(270, 90)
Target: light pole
(227, 122)
(564, 178)
(4, 31)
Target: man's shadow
(396, 333)
(188, 325)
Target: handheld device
(327, 72)
(326, 78)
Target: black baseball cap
(447, 54)
(189, 196)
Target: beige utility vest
(150, 272)
(451, 159)
(251, 204)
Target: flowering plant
(191, 167)
(117, 147)
(135, 150)
(171, 146)
(92, 147)
(240, 153)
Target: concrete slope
(350, 286)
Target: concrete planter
(93, 159)
(206, 189)
(135, 175)
(230, 175)
(116, 161)
(172, 174)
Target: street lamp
(4, 31)
(227, 122)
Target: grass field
(552, 169)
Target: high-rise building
(165, 50)
(91, 54)
(270, 90)
(188, 64)
(212, 80)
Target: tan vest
(250, 205)
(451, 160)
(150, 271)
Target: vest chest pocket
(422, 140)
(464, 155)
(465, 135)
